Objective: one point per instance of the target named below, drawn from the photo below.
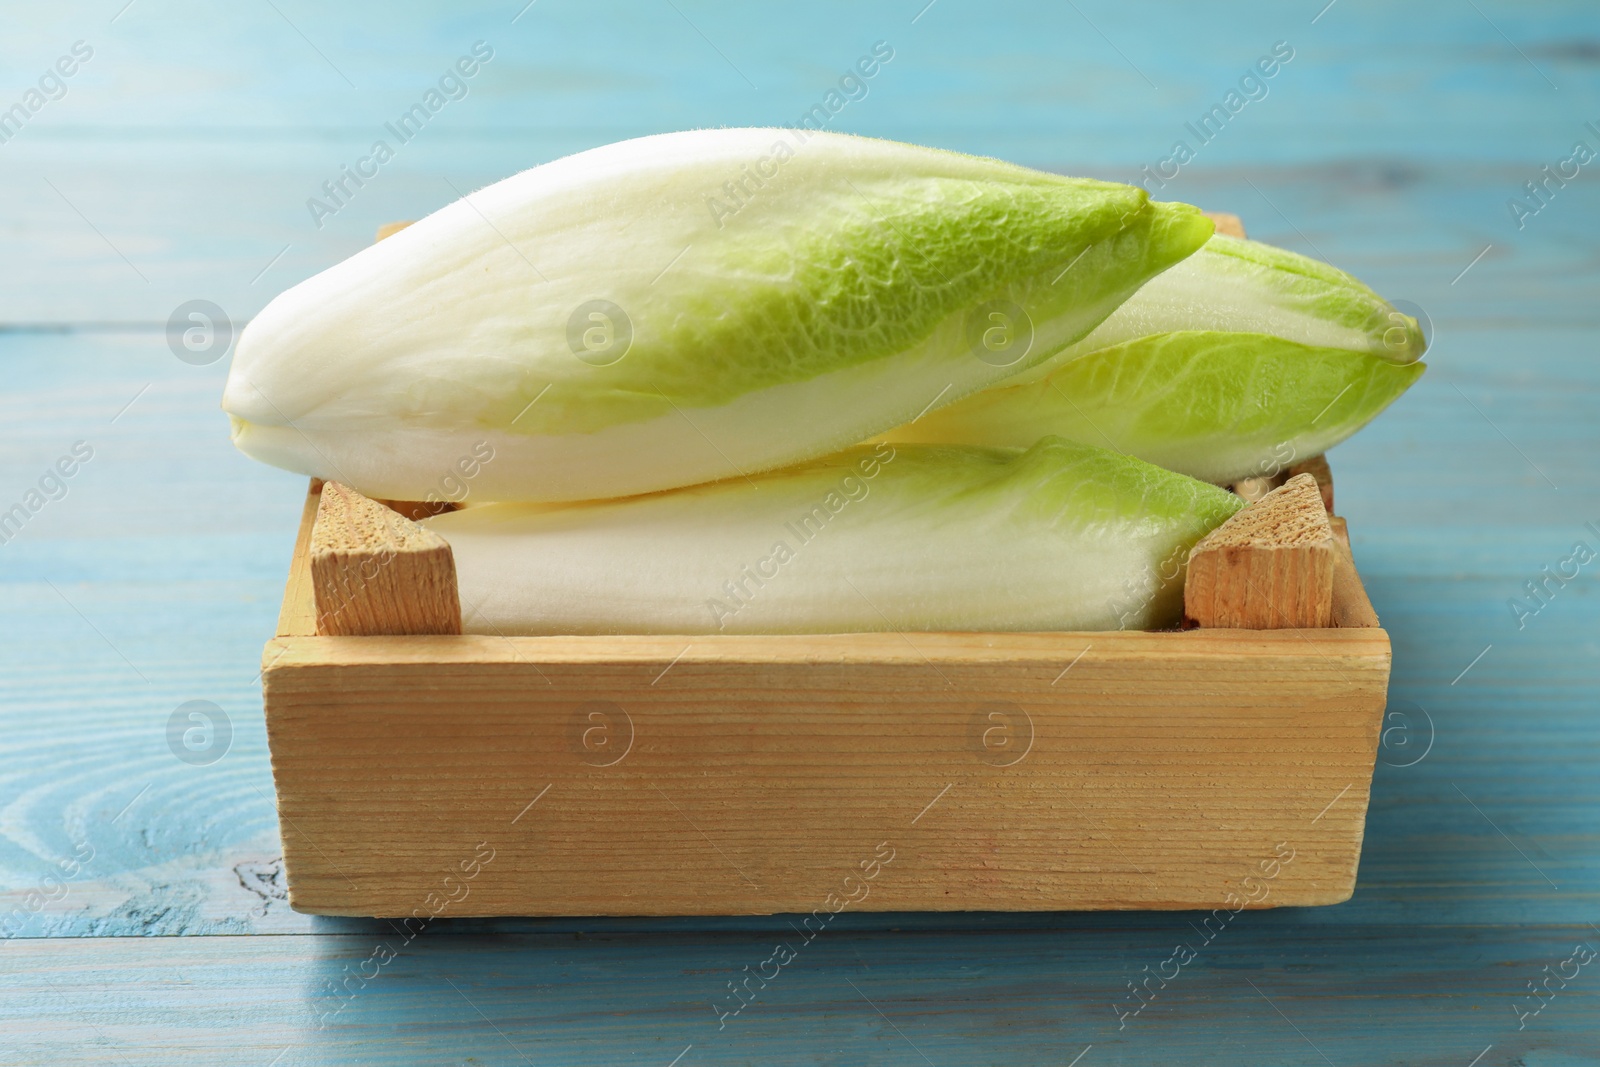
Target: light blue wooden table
(141, 896)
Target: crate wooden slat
(375, 571)
(1270, 567)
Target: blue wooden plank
(1016, 993)
(207, 143)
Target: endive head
(1060, 536)
(781, 294)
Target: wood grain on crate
(731, 774)
(1268, 567)
(374, 571)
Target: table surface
(142, 896)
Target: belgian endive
(686, 307)
(1235, 362)
(1063, 536)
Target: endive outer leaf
(1234, 285)
(608, 329)
(1062, 536)
(1218, 406)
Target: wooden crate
(424, 774)
(467, 775)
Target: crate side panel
(707, 785)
